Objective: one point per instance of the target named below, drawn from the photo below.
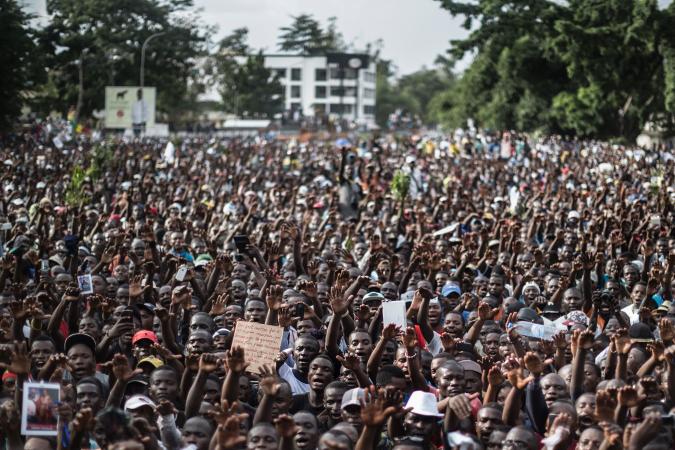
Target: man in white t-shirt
(305, 349)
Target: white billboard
(129, 106)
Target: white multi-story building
(335, 85)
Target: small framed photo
(39, 416)
(85, 284)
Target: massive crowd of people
(537, 276)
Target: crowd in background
(537, 275)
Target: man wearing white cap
(141, 406)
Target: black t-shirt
(301, 403)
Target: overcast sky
(413, 32)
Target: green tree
(591, 67)
(15, 59)
(107, 36)
(421, 86)
(247, 87)
(306, 36)
(258, 93)
(514, 74)
(611, 52)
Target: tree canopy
(107, 35)
(15, 59)
(246, 86)
(589, 67)
(305, 35)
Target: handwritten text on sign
(260, 343)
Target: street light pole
(80, 94)
(143, 47)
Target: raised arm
(208, 364)
(584, 342)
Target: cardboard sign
(394, 312)
(261, 343)
(38, 410)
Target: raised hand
(409, 339)
(363, 314)
(181, 296)
(218, 305)
(349, 361)
(274, 297)
(495, 376)
(135, 288)
(460, 405)
(122, 369)
(20, 360)
(533, 363)
(666, 330)
(165, 408)
(391, 331)
(164, 353)
(308, 288)
(374, 411)
(585, 340)
(228, 434)
(516, 376)
(605, 404)
(485, 312)
(285, 426)
(628, 396)
(235, 360)
(547, 347)
(224, 411)
(449, 343)
(559, 340)
(224, 263)
(285, 317)
(564, 422)
(83, 421)
(657, 350)
(209, 363)
(622, 342)
(269, 382)
(338, 303)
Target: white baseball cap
(138, 401)
(352, 397)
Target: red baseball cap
(144, 334)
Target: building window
(320, 91)
(342, 91)
(295, 106)
(369, 77)
(369, 109)
(320, 75)
(337, 108)
(280, 73)
(296, 74)
(319, 109)
(295, 92)
(368, 93)
(347, 73)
